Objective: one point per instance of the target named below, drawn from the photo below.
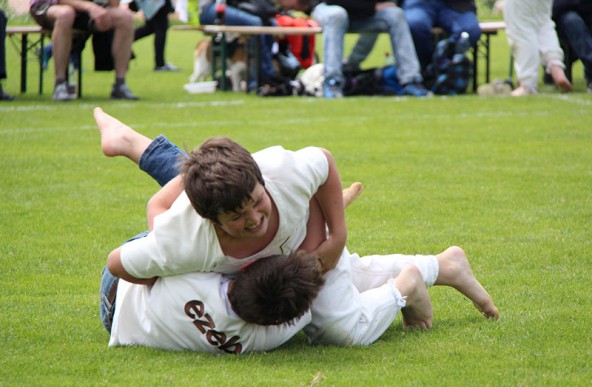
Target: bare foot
(118, 139)
(351, 194)
(522, 91)
(561, 81)
(455, 271)
(418, 312)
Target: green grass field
(507, 179)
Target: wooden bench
(482, 48)
(219, 33)
(35, 45)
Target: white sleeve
(272, 336)
(181, 242)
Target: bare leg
(122, 39)
(561, 81)
(455, 271)
(418, 312)
(118, 139)
(63, 19)
(351, 193)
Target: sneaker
(166, 67)
(4, 96)
(61, 92)
(332, 90)
(416, 89)
(122, 92)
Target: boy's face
(252, 219)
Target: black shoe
(122, 92)
(4, 96)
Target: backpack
(302, 46)
(450, 71)
(375, 81)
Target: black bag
(365, 82)
(450, 71)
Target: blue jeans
(108, 291)
(576, 29)
(238, 17)
(423, 15)
(161, 161)
(336, 22)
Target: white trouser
(532, 38)
(358, 302)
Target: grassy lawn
(507, 179)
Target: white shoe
(61, 92)
(166, 67)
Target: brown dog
(236, 65)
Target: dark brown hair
(277, 289)
(219, 176)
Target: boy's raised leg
(118, 139)
(455, 271)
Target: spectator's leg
(392, 20)
(362, 49)
(455, 22)
(523, 42)
(420, 15)
(335, 23)
(161, 26)
(552, 54)
(144, 30)
(573, 28)
(122, 39)
(408, 69)
(3, 22)
(62, 18)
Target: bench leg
(487, 59)
(79, 54)
(219, 50)
(24, 46)
(475, 49)
(485, 44)
(41, 50)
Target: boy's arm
(116, 268)
(315, 228)
(159, 203)
(163, 199)
(330, 199)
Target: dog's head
(312, 79)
